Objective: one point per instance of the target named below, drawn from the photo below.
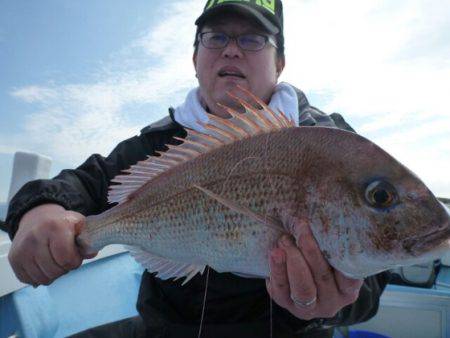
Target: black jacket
(236, 306)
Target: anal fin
(164, 267)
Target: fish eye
(380, 194)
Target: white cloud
(175, 34)
(74, 120)
(33, 94)
(384, 65)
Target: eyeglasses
(248, 42)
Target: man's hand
(303, 282)
(44, 246)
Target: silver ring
(301, 304)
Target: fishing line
(271, 316)
(266, 166)
(229, 176)
(232, 169)
(204, 303)
(272, 185)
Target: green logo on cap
(267, 4)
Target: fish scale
(223, 199)
(186, 235)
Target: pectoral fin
(265, 220)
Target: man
(237, 43)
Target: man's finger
(303, 291)
(65, 254)
(17, 266)
(322, 272)
(278, 285)
(35, 273)
(23, 276)
(47, 264)
(77, 224)
(348, 287)
(63, 248)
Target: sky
(77, 77)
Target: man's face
(258, 70)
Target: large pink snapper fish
(224, 197)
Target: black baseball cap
(267, 13)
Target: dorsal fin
(218, 132)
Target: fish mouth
(418, 245)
